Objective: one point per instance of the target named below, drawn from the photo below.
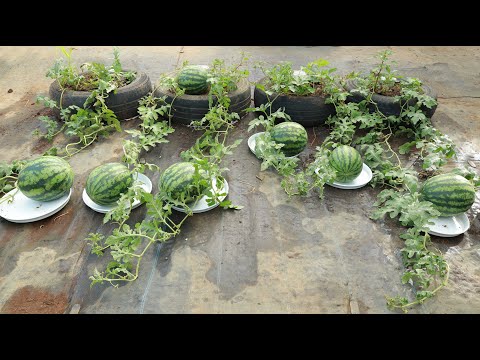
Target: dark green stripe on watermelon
(293, 135)
(193, 79)
(107, 182)
(176, 175)
(46, 178)
(451, 194)
(347, 162)
(177, 179)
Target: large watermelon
(193, 79)
(347, 162)
(292, 135)
(179, 178)
(107, 182)
(451, 194)
(46, 178)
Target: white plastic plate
(25, 210)
(360, 181)
(449, 226)
(146, 185)
(201, 205)
(251, 144)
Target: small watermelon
(347, 162)
(107, 182)
(292, 135)
(179, 178)
(451, 194)
(193, 79)
(46, 178)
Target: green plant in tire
(91, 75)
(224, 78)
(313, 79)
(347, 162)
(46, 178)
(221, 78)
(94, 119)
(106, 183)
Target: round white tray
(449, 226)
(251, 144)
(25, 210)
(146, 185)
(360, 181)
(201, 205)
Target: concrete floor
(274, 256)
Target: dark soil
(393, 91)
(30, 300)
(90, 82)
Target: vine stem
(84, 141)
(9, 197)
(433, 292)
(9, 177)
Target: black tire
(386, 104)
(124, 103)
(306, 110)
(194, 107)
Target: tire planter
(386, 104)
(124, 103)
(306, 110)
(194, 107)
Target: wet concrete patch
(41, 268)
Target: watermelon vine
(9, 177)
(127, 245)
(361, 124)
(95, 119)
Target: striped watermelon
(107, 182)
(46, 178)
(347, 162)
(451, 194)
(292, 135)
(179, 178)
(193, 79)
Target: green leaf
(405, 148)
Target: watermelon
(46, 178)
(347, 162)
(292, 135)
(193, 79)
(107, 182)
(451, 194)
(179, 178)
